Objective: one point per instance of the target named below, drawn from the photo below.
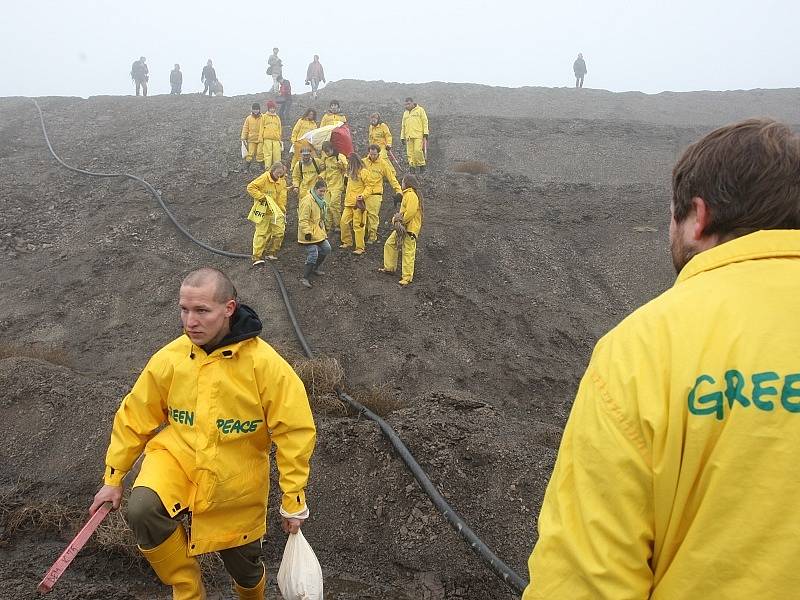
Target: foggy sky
(86, 47)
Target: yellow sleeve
(409, 207)
(282, 195)
(390, 176)
(255, 189)
(403, 126)
(245, 130)
(424, 118)
(290, 420)
(342, 162)
(596, 527)
(296, 178)
(388, 134)
(142, 411)
(295, 129)
(304, 216)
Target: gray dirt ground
(519, 272)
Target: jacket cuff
(302, 514)
(114, 476)
(293, 503)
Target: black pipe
(456, 522)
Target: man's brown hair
(748, 173)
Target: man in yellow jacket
(205, 411)
(377, 169)
(414, 135)
(333, 174)
(304, 124)
(270, 135)
(269, 191)
(333, 115)
(677, 470)
(251, 134)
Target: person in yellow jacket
(269, 192)
(355, 210)
(305, 173)
(251, 132)
(333, 174)
(377, 169)
(304, 124)
(312, 230)
(333, 115)
(380, 135)
(270, 135)
(205, 412)
(414, 135)
(407, 224)
(676, 474)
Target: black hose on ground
(498, 566)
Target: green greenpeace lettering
(227, 426)
(707, 398)
(184, 417)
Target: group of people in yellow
(335, 193)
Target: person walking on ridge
(315, 75)
(579, 68)
(140, 75)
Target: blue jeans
(314, 251)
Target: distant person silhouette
(175, 80)
(209, 78)
(140, 74)
(579, 66)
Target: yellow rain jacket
(270, 127)
(677, 473)
(220, 413)
(376, 171)
(330, 118)
(354, 188)
(335, 168)
(411, 209)
(305, 175)
(379, 134)
(415, 123)
(265, 185)
(302, 127)
(251, 128)
(309, 220)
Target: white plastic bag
(299, 576)
(244, 149)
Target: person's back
(678, 457)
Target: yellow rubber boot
(255, 593)
(173, 565)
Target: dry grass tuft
(380, 399)
(40, 516)
(321, 376)
(473, 167)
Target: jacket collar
(772, 243)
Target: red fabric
(285, 89)
(342, 140)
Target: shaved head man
(205, 412)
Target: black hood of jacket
(245, 324)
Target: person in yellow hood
(270, 135)
(355, 210)
(205, 411)
(304, 124)
(312, 230)
(305, 173)
(333, 115)
(414, 135)
(380, 135)
(333, 174)
(377, 169)
(251, 134)
(407, 225)
(269, 192)
(676, 475)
